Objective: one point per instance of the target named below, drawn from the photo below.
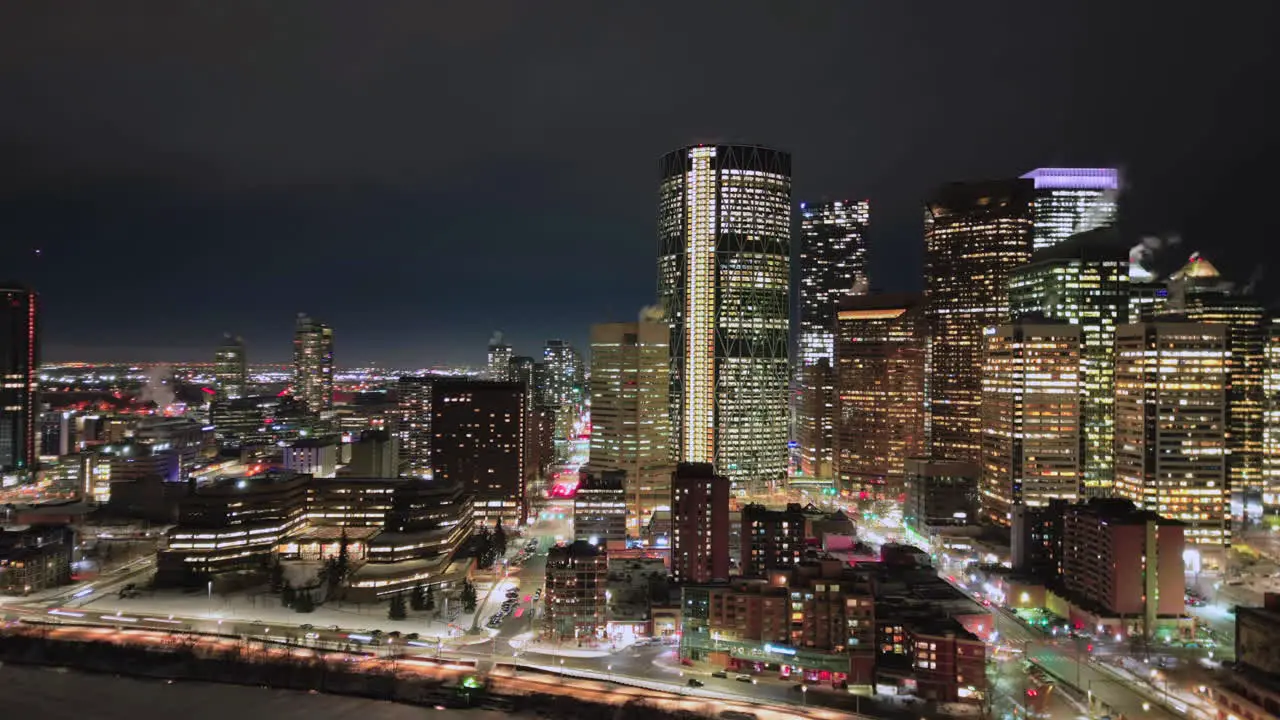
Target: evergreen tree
(303, 602)
(430, 600)
(468, 596)
(397, 611)
(344, 556)
(417, 598)
(499, 539)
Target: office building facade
(630, 412)
(600, 509)
(313, 364)
(724, 258)
(1171, 425)
(879, 389)
(1072, 200)
(1271, 420)
(563, 374)
(699, 524)
(1031, 440)
(1083, 280)
(478, 440)
(939, 493)
(832, 265)
(976, 234)
(498, 365)
(19, 362)
(1199, 293)
(230, 371)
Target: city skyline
(361, 181)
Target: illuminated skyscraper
(229, 369)
(1198, 293)
(630, 413)
(833, 258)
(833, 264)
(1030, 417)
(724, 263)
(1072, 200)
(879, 389)
(1171, 424)
(563, 368)
(1083, 280)
(1271, 422)
(313, 363)
(499, 365)
(19, 361)
(975, 235)
(414, 426)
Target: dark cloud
(419, 174)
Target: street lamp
(609, 668)
(804, 694)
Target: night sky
(420, 174)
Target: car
(307, 627)
(719, 674)
(376, 633)
(312, 636)
(334, 628)
(695, 682)
(745, 679)
(411, 636)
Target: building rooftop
(1098, 245)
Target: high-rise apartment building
(630, 412)
(478, 439)
(832, 265)
(1171, 424)
(975, 234)
(724, 259)
(771, 539)
(313, 363)
(1126, 562)
(1031, 438)
(414, 426)
(229, 369)
(576, 602)
(1072, 200)
(499, 367)
(879, 389)
(1083, 280)
(19, 361)
(699, 524)
(1198, 293)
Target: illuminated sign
(779, 649)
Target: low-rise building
(34, 558)
(1251, 691)
(317, 457)
(232, 524)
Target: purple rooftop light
(1075, 178)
